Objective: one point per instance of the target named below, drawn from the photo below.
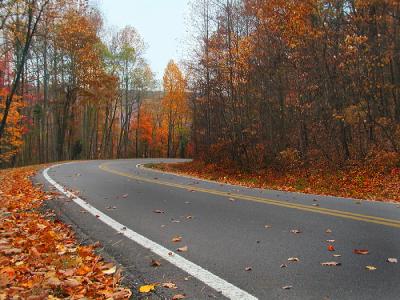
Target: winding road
(238, 239)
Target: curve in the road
(309, 208)
(225, 288)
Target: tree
(26, 25)
(175, 105)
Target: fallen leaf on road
(287, 287)
(361, 251)
(110, 271)
(231, 199)
(147, 288)
(155, 263)
(330, 241)
(267, 226)
(331, 264)
(178, 297)
(328, 231)
(169, 285)
(176, 239)
(337, 255)
(295, 231)
(293, 259)
(182, 249)
(122, 294)
(158, 211)
(189, 217)
(370, 268)
(331, 248)
(392, 260)
(283, 266)
(248, 269)
(125, 195)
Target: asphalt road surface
(238, 240)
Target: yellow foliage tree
(176, 109)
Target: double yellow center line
(309, 208)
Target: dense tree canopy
(297, 81)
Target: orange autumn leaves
(372, 182)
(163, 129)
(12, 139)
(39, 256)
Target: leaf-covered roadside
(39, 256)
(373, 181)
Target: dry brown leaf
(295, 231)
(287, 287)
(72, 282)
(361, 251)
(248, 269)
(182, 249)
(370, 268)
(169, 285)
(155, 263)
(331, 264)
(293, 259)
(176, 239)
(178, 297)
(392, 260)
(110, 271)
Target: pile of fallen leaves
(39, 256)
(355, 181)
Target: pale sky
(161, 23)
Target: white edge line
(220, 285)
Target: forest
(267, 83)
(71, 89)
(291, 82)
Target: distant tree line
(70, 89)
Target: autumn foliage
(315, 81)
(39, 255)
(377, 181)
